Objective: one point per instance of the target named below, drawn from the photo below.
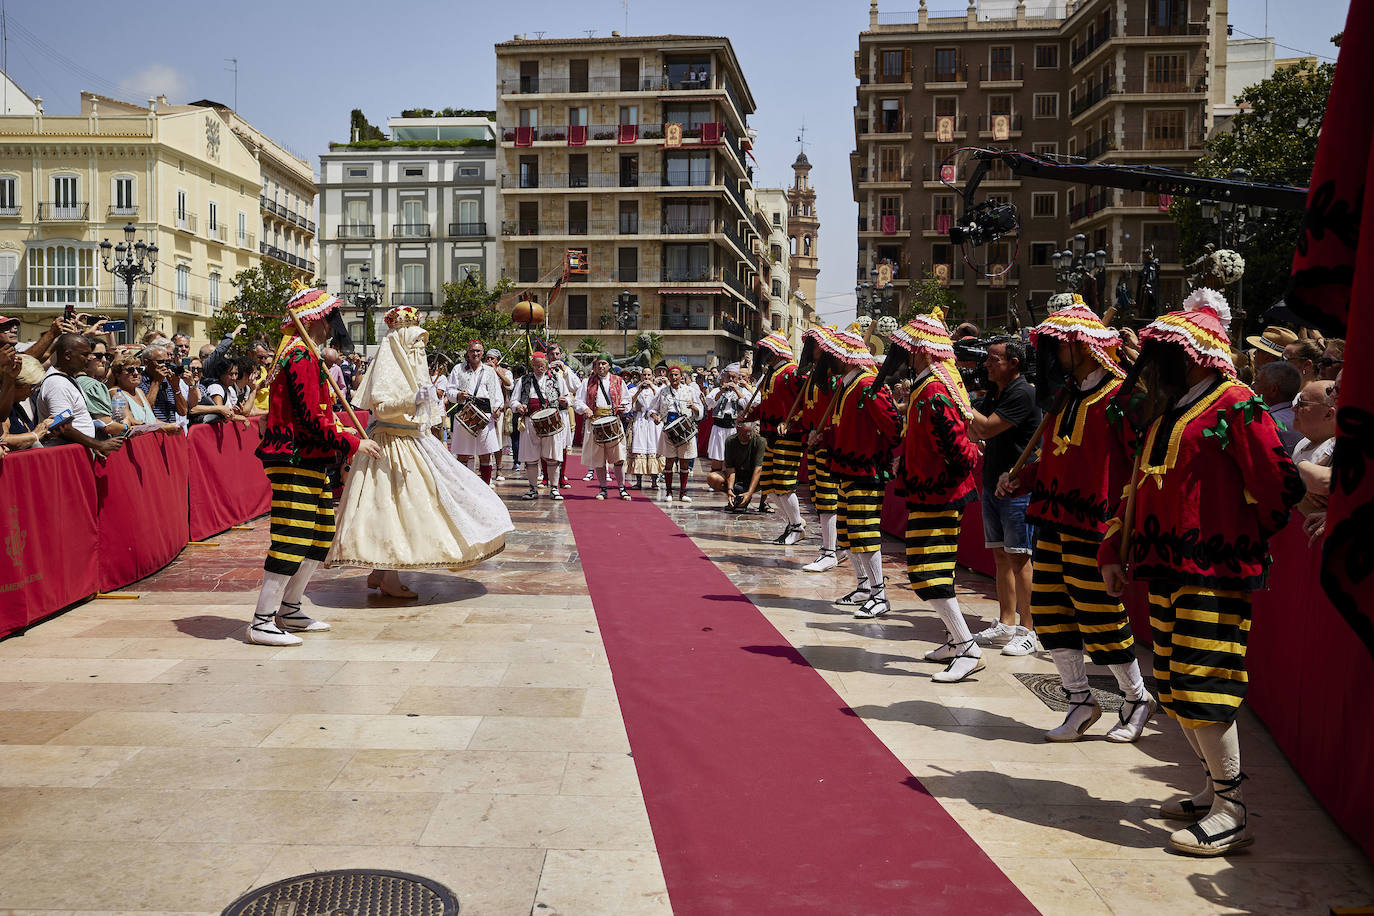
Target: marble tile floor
(152, 762)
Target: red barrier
(227, 485)
(47, 531)
(141, 513)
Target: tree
(926, 295)
(359, 128)
(1274, 139)
(259, 303)
(471, 311)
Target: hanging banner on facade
(941, 274)
(947, 173)
(944, 129)
(884, 273)
(997, 277)
(1001, 127)
(672, 135)
(1164, 201)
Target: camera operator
(161, 384)
(1005, 420)
(741, 468)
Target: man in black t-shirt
(744, 452)
(1006, 419)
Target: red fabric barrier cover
(47, 532)
(704, 434)
(141, 494)
(226, 481)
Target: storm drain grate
(349, 892)
(1048, 689)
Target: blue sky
(303, 65)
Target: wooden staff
(310, 345)
(1034, 442)
(1128, 516)
(796, 403)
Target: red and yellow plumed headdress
(847, 347)
(928, 334)
(1074, 322)
(308, 303)
(1199, 328)
(776, 344)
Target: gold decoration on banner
(884, 273)
(672, 135)
(1001, 127)
(944, 129)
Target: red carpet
(764, 794)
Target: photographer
(1005, 420)
(743, 461)
(161, 384)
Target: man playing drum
(678, 407)
(541, 398)
(602, 401)
(474, 389)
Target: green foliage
(926, 295)
(589, 345)
(259, 302)
(471, 311)
(416, 144)
(448, 113)
(365, 130)
(1274, 139)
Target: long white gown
(418, 508)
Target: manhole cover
(351, 892)
(1049, 690)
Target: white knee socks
(295, 588)
(1073, 671)
(791, 510)
(1220, 746)
(875, 571)
(955, 624)
(270, 598)
(1129, 680)
(829, 530)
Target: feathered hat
(1074, 322)
(403, 316)
(928, 334)
(776, 343)
(1199, 328)
(847, 347)
(307, 303)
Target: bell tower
(803, 233)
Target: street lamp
(874, 298)
(1075, 266)
(626, 308)
(364, 293)
(1236, 226)
(133, 262)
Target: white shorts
(686, 451)
(541, 448)
(715, 446)
(462, 442)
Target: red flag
(628, 133)
(1332, 287)
(577, 135)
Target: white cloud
(152, 81)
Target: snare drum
(681, 430)
(473, 418)
(547, 422)
(607, 430)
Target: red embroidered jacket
(1084, 462)
(1213, 485)
(777, 398)
(820, 391)
(938, 457)
(864, 429)
(300, 428)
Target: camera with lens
(973, 350)
(986, 222)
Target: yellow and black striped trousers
(932, 545)
(824, 489)
(859, 526)
(781, 462)
(1069, 601)
(1200, 637)
(302, 517)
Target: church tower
(803, 233)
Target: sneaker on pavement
(995, 636)
(1023, 643)
(556, 496)
(684, 498)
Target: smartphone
(70, 311)
(61, 418)
(113, 326)
(87, 320)
(185, 362)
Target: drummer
(676, 399)
(539, 390)
(727, 402)
(603, 397)
(475, 384)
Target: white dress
(644, 433)
(481, 382)
(417, 508)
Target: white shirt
(55, 395)
(584, 397)
(482, 382)
(727, 404)
(680, 400)
(1320, 453)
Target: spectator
(162, 383)
(9, 363)
(20, 431)
(181, 346)
(262, 355)
(967, 329)
(1333, 358)
(1304, 355)
(1269, 346)
(1005, 421)
(126, 376)
(59, 391)
(1277, 383)
(1314, 415)
(212, 356)
(331, 358)
(221, 398)
(742, 468)
(94, 384)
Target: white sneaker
(995, 636)
(500, 478)
(684, 498)
(668, 498)
(826, 561)
(1023, 643)
(1131, 720)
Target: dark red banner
(141, 494)
(226, 480)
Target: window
(686, 263)
(529, 76)
(357, 211)
(999, 105)
(214, 217)
(577, 313)
(688, 169)
(60, 274)
(946, 106)
(629, 171)
(628, 264)
(1047, 104)
(777, 289)
(686, 216)
(1164, 130)
(629, 114)
(691, 115)
(1044, 204)
(529, 117)
(777, 218)
(577, 170)
(214, 289)
(686, 313)
(577, 117)
(1166, 16)
(469, 171)
(775, 253)
(1047, 57)
(464, 269)
(183, 285)
(529, 171)
(469, 216)
(414, 171)
(1045, 149)
(413, 279)
(889, 163)
(629, 75)
(64, 204)
(529, 265)
(890, 116)
(9, 197)
(999, 63)
(181, 210)
(357, 172)
(577, 76)
(577, 217)
(413, 215)
(892, 63)
(946, 63)
(243, 228)
(9, 277)
(124, 195)
(629, 217)
(1164, 73)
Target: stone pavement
(152, 762)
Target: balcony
(931, 125)
(1096, 149)
(689, 275)
(892, 124)
(901, 175)
(890, 224)
(9, 296)
(1161, 140)
(529, 85)
(1167, 250)
(216, 232)
(186, 221)
(268, 205)
(410, 230)
(117, 212)
(1003, 77)
(938, 223)
(985, 124)
(1162, 82)
(955, 77)
(62, 212)
(1012, 277)
(582, 180)
(945, 274)
(690, 226)
(1093, 204)
(604, 133)
(1098, 35)
(467, 230)
(1094, 95)
(12, 210)
(197, 303)
(248, 240)
(1136, 28)
(357, 231)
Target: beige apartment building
(1098, 81)
(631, 151)
(177, 173)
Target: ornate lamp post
(874, 297)
(133, 262)
(364, 293)
(626, 308)
(1074, 267)
(1236, 225)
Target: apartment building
(1112, 81)
(177, 173)
(631, 151)
(419, 210)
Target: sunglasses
(98, 356)
(1328, 362)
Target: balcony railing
(1090, 98)
(62, 212)
(689, 275)
(1162, 81)
(9, 296)
(248, 240)
(999, 277)
(1165, 249)
(734, 283)
(197, 303)
(889, 124)
(424, 297)
(1162, 140)
(953, 272)
(1085, 208)
(117, 212)
(267, 204)
(215, 232)
(1096, 149)
(937, 222)
(186, 220)
(985, 122)
(955, 74)
(583, 180)
(1001, 74)
(931, 124)
(901, 174)
(1097, 36)
(14, 210)
(357, 231)
(410, 230)
(1136, 28)
(689, 226)
(466, 230)
(892, 223)
(615, 83)
(558, 133)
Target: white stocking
(829, 530)
(1073, 672)
(953, 619)
(295, 589)
(791, 510)
(1129, 680)
(1220, 746)
(532, 474)
(270, 598)
(874, 561)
